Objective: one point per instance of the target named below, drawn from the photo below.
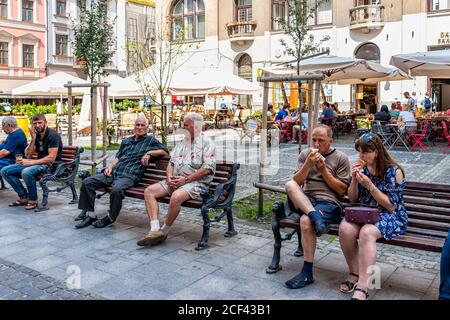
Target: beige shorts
(194, 189)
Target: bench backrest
(428, 207)
(156, 172)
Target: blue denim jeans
(13, 173)
(444, 288)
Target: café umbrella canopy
(213, 81)
(342, 70)
(123, 87)
(51, 86)
(430, 64)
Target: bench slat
(427, 202)
(427, 194)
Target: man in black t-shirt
(47, 144)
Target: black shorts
(330, 211)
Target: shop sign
(444, 38)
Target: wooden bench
(428, 207)
(63, 172)
(219, 196)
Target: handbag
(362, 214)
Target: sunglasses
(366, 137)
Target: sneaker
(152, 238)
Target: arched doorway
(245, 71)
(367, 93)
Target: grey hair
(197, 118)
(9, 121)
(141, 118)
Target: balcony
(367, 18)
(241, 31)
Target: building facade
(243, 36)
(22, 43)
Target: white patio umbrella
(213, 81)
(85, 114)
(395, 74)
(123, 87)
(51, 86)
(342, 69)
(431, 64)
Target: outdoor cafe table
(399, 135)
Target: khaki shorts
(194, 189)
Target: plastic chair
(417, 138)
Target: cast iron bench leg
(45, 192)
(74, 193)
(203, 243)
(231, 231)
(278, 210)
(299, 252)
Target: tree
(156, 57)
(296, 27)
(94, 40)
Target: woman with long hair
(377, 180)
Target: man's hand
(108, 171)
(33, 133)
(313, 158)
(26, 162)
(178, 182)
(320, 164)
(145, 159)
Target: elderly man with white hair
(125, 170)
(14, 144)
(189, 173)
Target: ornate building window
(4, 9)
(188, 20)
(61, 7)
(28, 56)
(61, 44)
(4, 53)
(27, 10)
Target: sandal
(19, 202)
(363, 291)
(31, 206)
(350, 285)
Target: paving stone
(45, 263)
(119, 266)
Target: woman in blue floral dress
(377, 180)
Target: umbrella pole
(317, 87)
(69, 114)
(94, 128)
(263, 149)
(310, 112)
(105, 124)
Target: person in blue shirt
(283, 113)
(327, 114)
(15, 142)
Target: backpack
(427, 103)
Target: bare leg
(367, 255)
(151, 194)
(348, 238)
(177, 198)
(298, 198)
(309, 240)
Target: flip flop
(31, 206)
(18, 203)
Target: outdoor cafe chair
(417, 138)
(446, 134)
(382, 131)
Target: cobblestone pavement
(39, 249)
(21, 283)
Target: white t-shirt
(408, 118)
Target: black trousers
(91, 184)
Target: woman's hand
(363, 179)
(356, 167)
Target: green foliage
(112, 146)
(257, 115)
(247, 208)
(76, 108)
(30, 109)
(94, 39)
(125, 104)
